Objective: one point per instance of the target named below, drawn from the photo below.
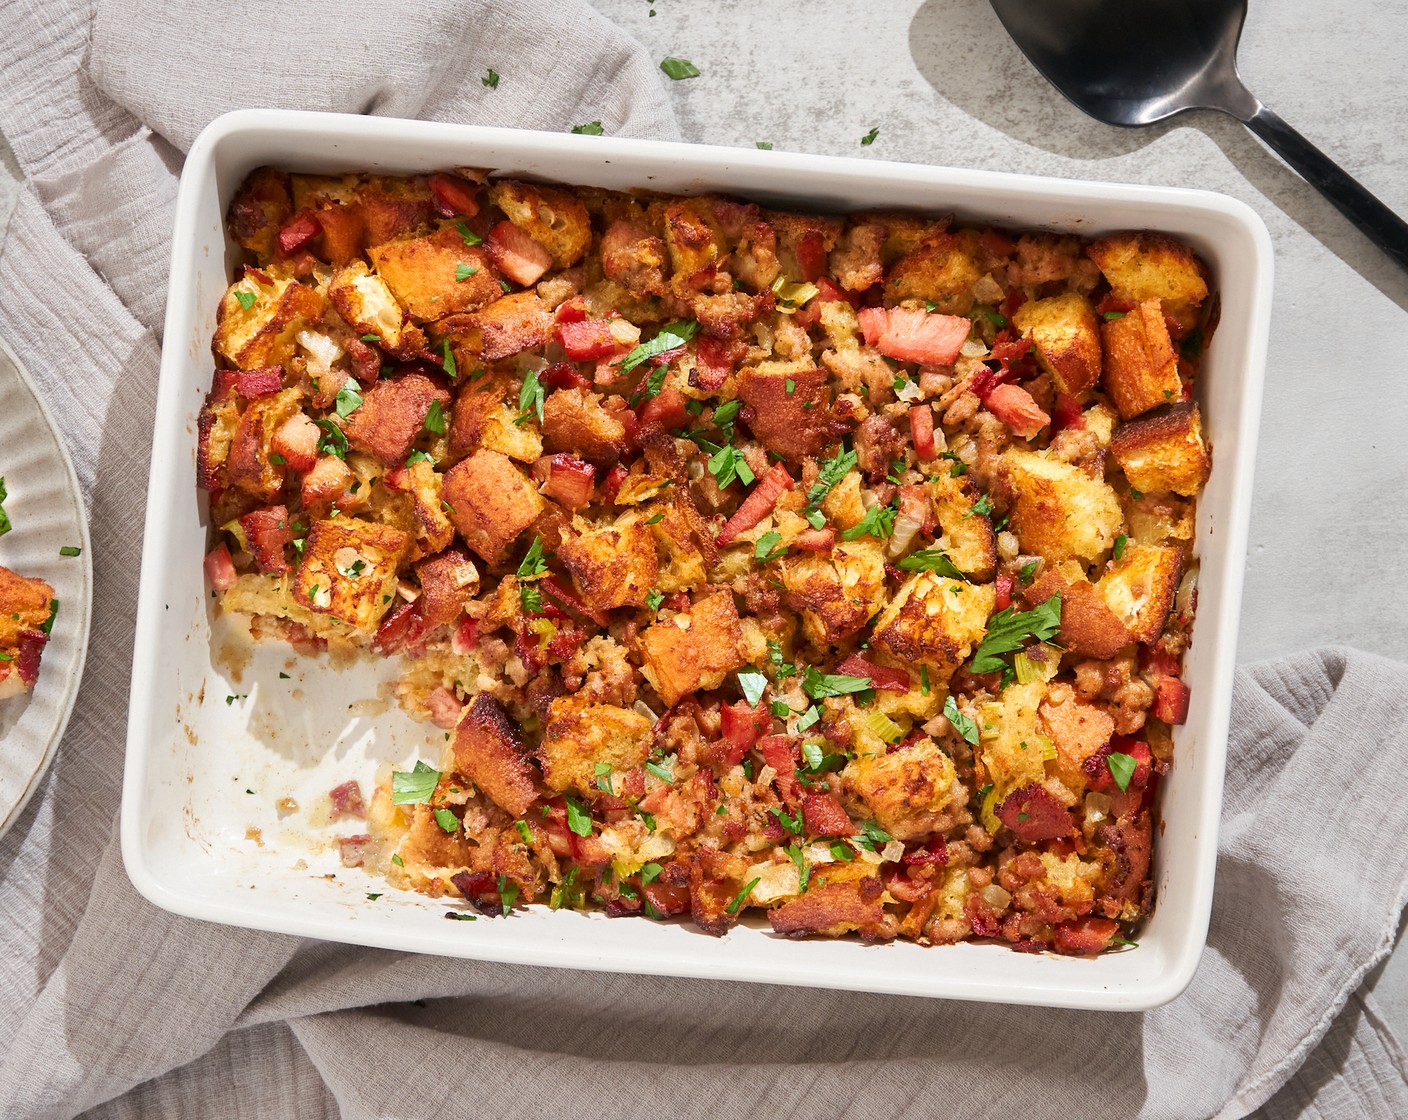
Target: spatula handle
(1380, 224)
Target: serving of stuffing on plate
(27, 609)
(834, 567)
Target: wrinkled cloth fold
(115, 1008)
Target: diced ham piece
(1035, 815)
(921, 431)
(777, 753)
(667, 899)
(883, 678)
(586, 339)
(453, 195)
(267, 533)
(1003, 591)
(569, 481)
(353, 849)
(573, 310)
(1170, 700)
(815, 540)
(219, 568)
(31, 647)
(553, 589)
(1097, 767)
(741, 727)
(347, 801)
(823, 816)
(832, 292)
(663, 412)
(444, 707)
(934, 853)
(257, 382)
(517, 255)
(1015, 407)
(402, 627)
(713, 362)
(612, 482)
(911, 335)
(1085, 937)
(562, 375)
(466, 636)
(757, 505)
(295, 233)
(297, 441)
(1066, 413)
(811, 255)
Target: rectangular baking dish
(230, 753)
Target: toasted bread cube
(349, 570)
(25, 608)
(632, 256)
(1058, 510)
(485, 416)
(1140, 588)
(247, 465)
(261, 205)
(448, 580)
(344, 233)
(264, 333)
(1008, 746)
(391, 416)
(575, 422)
(789, 410)
(694, 650)
(1143, 266)
(506, 327)
(1161, 518)
(423, 272)
(388, 207)
(1164, 452)
(430, 856)
(580, 734)
(489, 750)
(491, 502)
(614, 565)
(802, 242)
(967, 536)
(1077, 730)
(363, 299)
(942, 271)
(683, 567)
(846, 902)
(836, 594)
(434, 530)
(935, 621)
(907, 790)
(1066, 335)
(690, 236)
(1141, 365)
(1089, 628)
(552, 217)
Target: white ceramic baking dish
(212, 750)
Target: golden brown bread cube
(491, 502)
(1141, 365)
(261, 205)
(942, 271)
(1008, 746)
(448, 580)
(25, 607)
(424, 272)
(264, 332)
(580, 734)
(1066, 335)
(801, 238)
(788, 410)
(613, 566)
(575, 422)
(349, 570)
(1058, 510)
(1143, 266)
(832, 909)
(966, 536)
(1164, 451)
(1076, 729)
(1089, 628)
(690, 236)
(247, 466)
(934, 621)
(1140, 587)
(486, 415)
(836, 594)
(694, 650)
(422, 485)
(386, 206)
(392, 415)
(365, 301)
(554, 218)
(906, 791)
(489, 750)
(506, 327)
(632, 256)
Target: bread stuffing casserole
(837, 568)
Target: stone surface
(944, 84)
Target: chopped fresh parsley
(677, 69)
(661, 772)
(996, 319)
(871, 836)
(728, 465)
(456, 916)
(653, 598)
(764, 145)
(804, 870)
(435, 419)
(491, 79)
(650, 872)
(508, 893)
(578, 819)
(790, 386)
(452, 369)
(524, 831)
(530, 398)
(1120, 542)
(752, 682)
(780, 709)
(781, 667)
(397, 860)
(832, 471)
(464, 271)
(961, 723)
(923, 680)
(470, 237)
(348, 400)
(982, 507)
(869, 137)
(767, 549)
(603, 777)
(810, 718)
(879, 521)
(447, 820)
(815, 518)
(247, 299)
(70, 550)
(1028, 573)
(1110, 316)
(931, 560)
(733, 906)
(533, 567)
(669, 337)
(1010, 628)
(790, 823)
(820, 685)
(841, 851)
(592, 129)
(1121, 768)
(414, 787)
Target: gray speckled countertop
(944, 84)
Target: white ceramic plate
(46, 509)
(214, 744)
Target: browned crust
(1088, 627)
(422, 271)
(1141, 365)
(831, 909)
(488, 748)
(391, 416)
(574, 422)
(1164, 451)
(795, 425)
(491, 502)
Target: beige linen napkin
(112, 1006)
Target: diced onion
(1097, 806)
(892, 852)
(236, 530)
(988, 290)
(910, 391)
(1187, 588)
(973, 348)
(996, 897)
(323, 349)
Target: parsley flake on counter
(752, 682)
(763, 145)
(70, 550)
(1009, 628)
(679, 68)
(869, 137)
(1121, 767)
(491, 79)
(931, 560)
(591, 129)
(415, 786)
(460, 916)
(372, 896)
(961, 723)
